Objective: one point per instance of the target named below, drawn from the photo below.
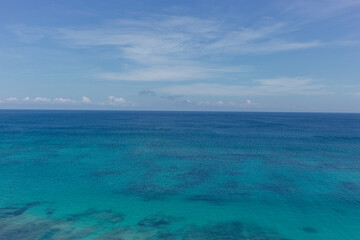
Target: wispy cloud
(259, 87)
(11, 99)
(64, 100)
(147, 93)
(28, 34)
(322, 9)
(44, 100)
(259, 40)
(85, 100)
(116, 100)
(160, 74)
(223, 104)
(169, 74)
(163, 36)
(111, 101)
(214, 103)
(172, 97)
(174, 48)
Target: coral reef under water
(16, 223)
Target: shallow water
(179, 175)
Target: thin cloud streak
(178, 35)
(260, 87)
(152, 46)
(321, 9)
(45, 100)
(112, 101)
(170, 74)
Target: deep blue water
(179, 175)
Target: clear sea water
(179, 175)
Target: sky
(188, 55)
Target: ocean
(139, 175)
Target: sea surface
(111, 175)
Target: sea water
(179, 175)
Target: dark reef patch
(106, 173)
(194, 177)
(34, 228)
(233, 172)
(279, 188)
(205, 197)
(94, 214)
(309, 230)
(350, 187)
(12, 211)
(149, 191)
(200, 173)
(124, 233)
(230, 231)
(219, 197)
(6, 163)
(50, 211)
(231, 185)
(228, 191)
(154, 227)
(158, 220)
(166, 236)
(26, 231)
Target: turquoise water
(179, 175)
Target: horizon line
(144, 110)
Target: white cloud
(219, 103)
(258, 40)
(147, 93)
(170, 74)
(42, 100)
(223, 104)
(27, 34)
(260, 87)
(112, 100)
(11, 99)
(85, 100)
(15, 100)
(322, 9)
(63, 100)
(116, 100)
(204, 103)
(155, 75)
(159, 38)
(153, 45)
(349, 42)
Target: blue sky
(181, 55)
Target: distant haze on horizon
(294, 56)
